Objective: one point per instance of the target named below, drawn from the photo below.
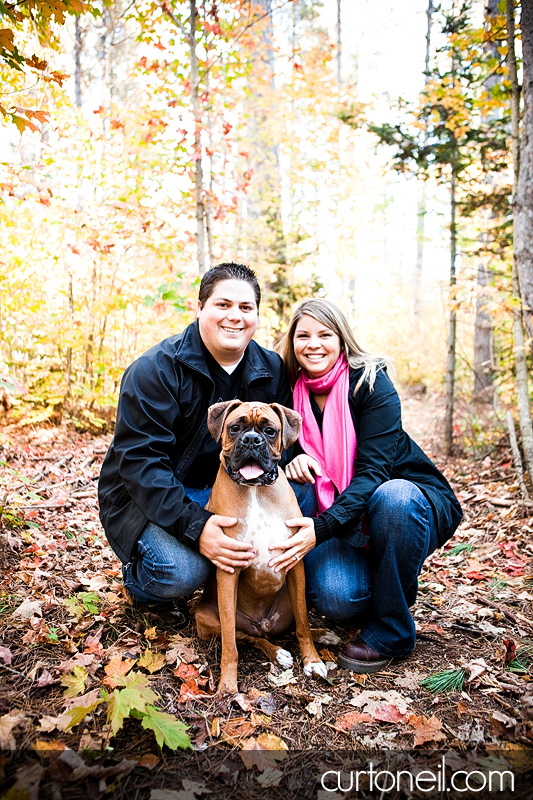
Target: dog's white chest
(262, 529)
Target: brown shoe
(358, 656)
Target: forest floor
(82, 672)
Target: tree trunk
(483, 342)
(78, 46)
(452, 324)
(483, 336)
(422, 198)
(198, 172)
(339, 45)
(523, 199)
(521, 216)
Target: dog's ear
(291, 423)
(216, 416)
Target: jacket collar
(190, 350)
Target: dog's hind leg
(274, 653)
(325, 636)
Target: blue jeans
(162, 568)
(378, 583)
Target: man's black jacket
(384, 452)
(161, 418)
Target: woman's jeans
(377, 584)
(163, 569)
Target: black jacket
(384, 452)
(161, 418)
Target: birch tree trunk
(198, 171)
(522, 214)
(189, 35)
(523, 199)
(483, 334)
(422, 197)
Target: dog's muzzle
(251, 463)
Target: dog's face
(253, 436)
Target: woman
(383, 505)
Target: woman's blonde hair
(332, 317)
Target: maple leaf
(167, 729)
(263, 751)
(151, 661)
(116, 669)
(378, 702)
(81, 706)
(74, 681)
(135, 696)
(28, 609)
(186, 671)
(188, 689)
(425, 730)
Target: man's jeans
(377, 584)
(164, 569)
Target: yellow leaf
(151, 661)
(74, 681)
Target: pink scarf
(338, 456)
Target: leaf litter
(80, 665)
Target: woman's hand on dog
(295, 548)
(225, 552)
(301, 469)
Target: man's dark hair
(224, 272)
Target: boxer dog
(255, 603)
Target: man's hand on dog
(222, 550)
(297, 546)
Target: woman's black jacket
(161, 419)
(384, 452)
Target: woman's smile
(316, 347)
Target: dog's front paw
(284, 658)
(329, 638)
(316, 668)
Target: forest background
(357, 151)
(377, 153)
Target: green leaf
(168, 730)
(135, 695)
(89, 600)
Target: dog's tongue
(251, 471)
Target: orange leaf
(189, 689)
(186, 671)
(236, 729)
(425, 730)
(117, 667)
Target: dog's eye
(234, 428)
(270, 431)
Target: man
(162, 462)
